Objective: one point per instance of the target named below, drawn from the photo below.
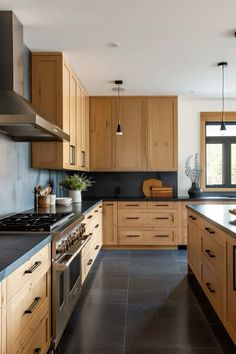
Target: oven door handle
(61, 266)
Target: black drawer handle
(132, 205)
(96, 211)
(132, 235)
(210, 288)
(90, 262)
(37, 350)
(162, 218)
(210, 231)
(210, 254)
(33, 305)
(97, 247)
(90, 216)
(161, 236)
(33, 268)
(162, 205)
(192, 217)
(134, 218)
(96, 226)
(109, 204)
(100, 206)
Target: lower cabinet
(93, 226)
(25, 309)
(212, 258)
(109, 223)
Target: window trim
(204, 118)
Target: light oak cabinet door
(194, 249)
(55, 92)
(110, 223)
(162, 134)
(101, 134)
(131, 147)
(231, 288)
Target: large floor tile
(157, 351)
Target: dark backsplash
(126, 184)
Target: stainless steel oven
(66, 277)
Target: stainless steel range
(69, 237)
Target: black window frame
(226, 142)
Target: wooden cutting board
(148, 184)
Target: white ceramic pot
(75, 195)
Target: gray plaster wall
(17, 178)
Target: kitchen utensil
(44, 201)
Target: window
(220, 155)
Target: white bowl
(64, 201)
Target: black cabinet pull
(33, 268)
(132, 235)
(211, 255)
(33, 305)
(161, 236)
(162, 218)
(109, 204)
(96, 211)
(132, 205)
(192, 217)
(96, 226)
(97, 247)
(210, 288)
(37, 350)
(90, 216)
(210, 231)
(100, 206)
(90, 262)
(162, 205)
(134, 218)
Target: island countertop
(218, 215)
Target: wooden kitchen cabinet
(59, 96)
(131, 147)
(162, 134)
(149, 141)
(109, 223)
(102, 133)
(194, 245)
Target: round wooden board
(148, 184)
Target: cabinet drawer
(23, 306)
(131, 237)
(132, 205)
(168, 218)
(28, 270)
(132, 218)
(213, 288)
(39, 341)
(212, 231)
(87, 261)
(161, 237)
(97, 226)
(193, 217)
(213, 251)
(162, 205)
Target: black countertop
(171, 199)
(17, 248)
(218, 215)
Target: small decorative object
(63, 201)
(43, 195)
(194, 173)
(76, 184)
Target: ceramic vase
(194, 191)
(75, 195)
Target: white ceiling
(166, 46)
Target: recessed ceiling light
(113, 45)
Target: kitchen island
(212, 258)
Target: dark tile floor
(143, 302)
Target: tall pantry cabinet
(59, 96)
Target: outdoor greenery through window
(220, 155)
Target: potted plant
(76, 184)
(194, 173)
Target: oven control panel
(66, 242)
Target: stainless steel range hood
(18, 118)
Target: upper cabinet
(59, 96)
(162, 134)
(149, 140)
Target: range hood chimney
(18, 118)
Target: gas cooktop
(33, 222)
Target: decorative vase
(44, 201)
(75, 195)
(194, 191)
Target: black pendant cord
(223, 95)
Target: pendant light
(223, 65)
(119, 130)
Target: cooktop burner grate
(33, 222)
